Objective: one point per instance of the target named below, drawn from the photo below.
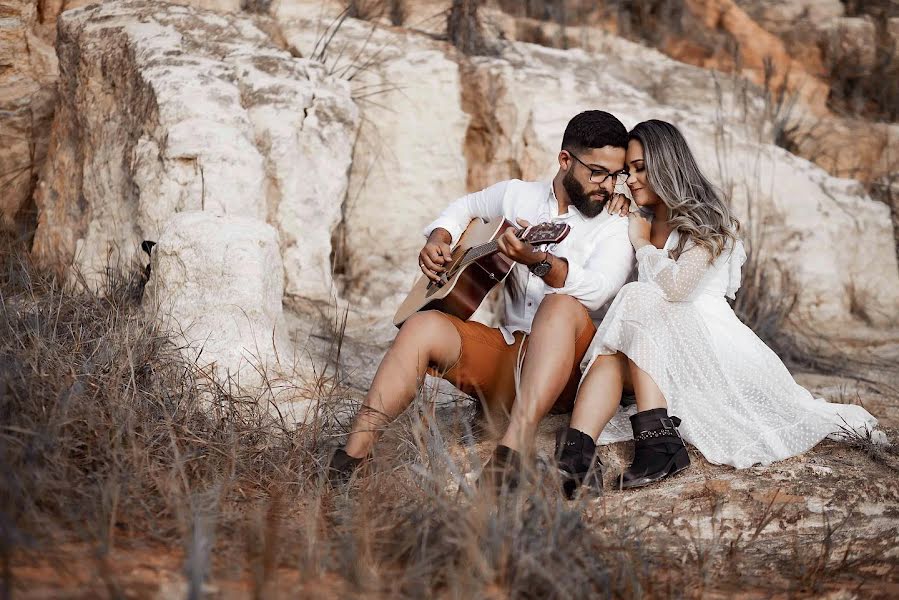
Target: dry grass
(111, 441)
(107, 433)
(886, 454)
(345, 59)
(767, 299)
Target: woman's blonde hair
(696, 208)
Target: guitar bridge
(433, 286)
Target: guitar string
(476, 252)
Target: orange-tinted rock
(763, 55)
(27, 96)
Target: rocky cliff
(347, 136)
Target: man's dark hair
(594, 129)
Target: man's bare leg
(599, 396)
(425, 339)
(547, 366)
(597, 401)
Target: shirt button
(530, 304)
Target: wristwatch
(542, 268)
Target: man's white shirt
(598, 250)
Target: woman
(674, 339)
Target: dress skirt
(738, 403)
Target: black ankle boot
(659, 450)
(575, 451)
(502, 472)
(341, 467)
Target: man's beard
(579, 198)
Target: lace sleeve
(676, 279)
(735, 268)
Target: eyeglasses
(600, 175)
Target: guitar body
(465, 289)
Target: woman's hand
(619, 204)
(638, 229)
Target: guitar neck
(486, 249)
(480, 251)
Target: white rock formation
(216, 286)
(215, 5)
(167, 108)
(408, 162)
(820, 229)
(825, 232)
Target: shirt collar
(573, 212)
(554, 206)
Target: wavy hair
(696, 208)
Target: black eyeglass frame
(593, 172)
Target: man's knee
(425, 324)
(433, 331)
(563, 307)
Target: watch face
(541, 269)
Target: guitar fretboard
(473, 254)
(476, 252)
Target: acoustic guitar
(475, 268)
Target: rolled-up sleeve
(485, 204)
(605, 271)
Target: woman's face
(637, 181)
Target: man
(549, 296)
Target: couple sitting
(670, 336)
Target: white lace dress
(739, 404)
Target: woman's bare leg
(648, 394)
(425, 339)
(659, 451)
(600, 394)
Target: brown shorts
(486, 365)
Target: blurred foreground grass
(116, 454)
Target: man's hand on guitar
(514, 248)
(436, 254)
